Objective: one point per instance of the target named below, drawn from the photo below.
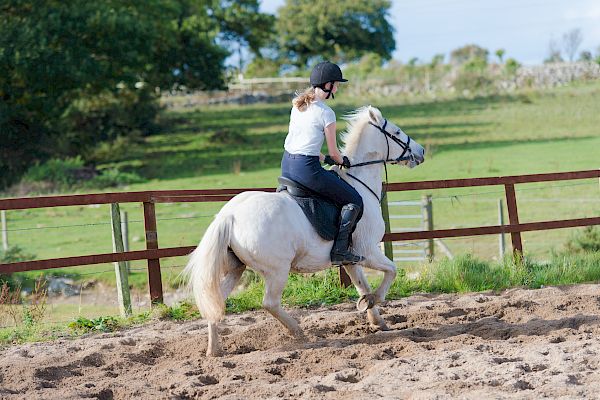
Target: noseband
(403, 157)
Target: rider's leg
(352, 207)
(308, 171)
(340, 252)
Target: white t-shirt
(307, 129)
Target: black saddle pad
(323, 214)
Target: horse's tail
(206, 266)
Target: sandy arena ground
(518, 344)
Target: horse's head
(372, 138)
(394, 145)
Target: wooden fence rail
(153, 253)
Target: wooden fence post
(4, 230)
(385, 212)
(154, 278)
(428, 224)
(513, 219)
(120, 266)
(501, 242)
(125, 235)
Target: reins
(405, 148)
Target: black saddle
(322, 213)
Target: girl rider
(312, 121)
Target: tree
(241, 23)
(512, 66)
(585, 55)
(467, 53)
(262, 67)
(500, 54)
(554, 53)
(368, 66)
(51, 52)
(571, 42)
(436, 60)
(75, 73)
(340, 31)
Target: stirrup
(347, 258)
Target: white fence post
(501, 242)
(428, 224)
(123, 294)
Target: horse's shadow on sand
(488, 328)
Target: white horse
(269, 233)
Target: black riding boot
(340, 253)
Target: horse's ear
(374, 115)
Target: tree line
(76, 74)
(80, 80)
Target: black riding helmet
(325, 72)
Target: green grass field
(241, 146)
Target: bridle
(406, 155)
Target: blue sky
(523, 28)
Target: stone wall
(424, 82)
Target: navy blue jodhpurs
(307, 171)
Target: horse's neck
(370, 175)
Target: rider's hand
(346, 162)
(329, 160)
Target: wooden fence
(153, 253)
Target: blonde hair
(303, 99)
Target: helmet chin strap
(328, 91)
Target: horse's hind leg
(230, 280)
(364, 289)
(274, 286)
(214, 346)
(235, 270)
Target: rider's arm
(330, 137)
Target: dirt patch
(515, 344)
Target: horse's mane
(356, 121)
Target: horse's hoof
(217, 353)
(299, 336)
(382, 327)
(366, 302)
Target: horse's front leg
(364, 290)
(378, 261)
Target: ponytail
(303, 99)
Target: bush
(101, 324)
(60, 172)
(473, 76)
(15, 254)
(586, 240)
(106, 116)
(116, 150)
(511, 67)
(71, 173)
(112, 177)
